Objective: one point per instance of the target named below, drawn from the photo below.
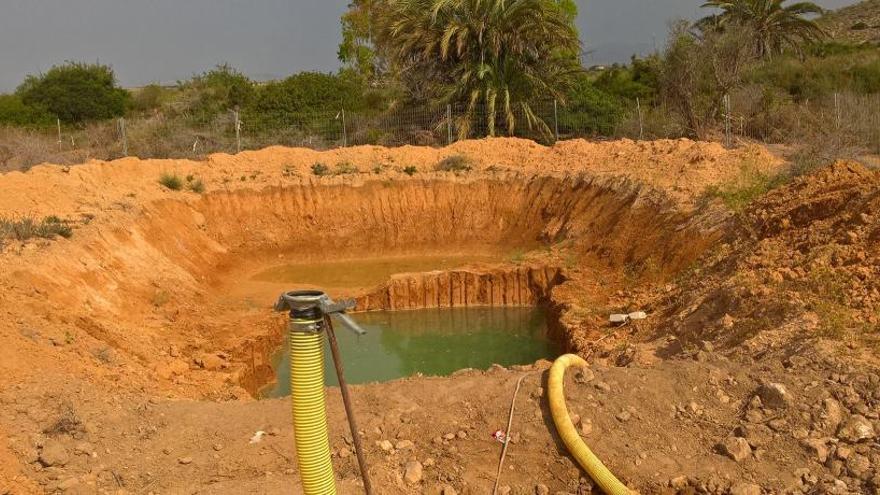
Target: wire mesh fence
(843, 119)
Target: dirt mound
(804, 263)
(859, 23)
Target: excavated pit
(195, 261)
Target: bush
(215, 92)
(75, 92)
(345, 168)
(455, 163)
(149, 97)
(171, 181)
(320, 169)
(196, 186)
(590, 109)
(26, 228)
(14, 112)
(410, 170)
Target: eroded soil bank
(133, 343)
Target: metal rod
(555, 120)
(349, 408)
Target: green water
(433, 342)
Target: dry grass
(25, 228)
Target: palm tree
(498, 53)
(775, 26)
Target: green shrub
(196, 186)
(410, 170)
(25, 228)
(215, 92)
(455, 163)
(171, 181)
(149, 97)
(320, 169)
(14, 112)
(76, 92)
(748, 186)
(345, 168)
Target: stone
(774, 395)
(385, 445)
(68, 484)
(541, 489)
(743, 488)
(858, 466)
(504, 490)
(855, 429)
(586, 427)
(679, 482)
(83, 448)
(403, 445)
(211, 362)
(412, 473)
(817, 448)
(53, 454)
(449, 436)
(623, 416)
(344, 452)
(584, 375)
(736, 448)
(448, 490)
(461, 434)
(185, 460)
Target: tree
(75, 92)
(214, 92)
(698, 71)
(500, 54)
(775, 26)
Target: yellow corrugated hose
(310, 413)
(576, 446)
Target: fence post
(58, 121)
(837, 110)
(556, 119)
(641, 120)
(727, 128)
(124, 136)
(344, 130)
(448, 123)
(237, 131)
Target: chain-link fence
(843, 119)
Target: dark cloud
(166, 40)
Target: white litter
(258, 437)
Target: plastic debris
(258, 437)
(638, 315)
(500, 436)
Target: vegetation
(749, 185)
(171, 181)
(410, 170)
(25, 228)
(195, 185)
(320, 169)
(75, 93)
(494, 55)
(774, 26)
(455, 163)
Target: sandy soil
(129, 358)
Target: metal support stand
(349, 407)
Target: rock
(756, 435)
(602, 386)
(217, 447)
(185, 460)
(858, 466)
(412, 474)
(68, 484)
(584, 375)
(586, 427)
(173, 351)
(461, 434)
(623, 416)
(449, 436)
(679, 482)
(53, 454)
(448, 490)
(832, 414)
(344, 452)
(856, 429)
(504, 490)
(817, 448)
(385, 445)
(211, 362)
(83, 448)
(541, 489)
(774, 395)
(743, 488)
(736, 448)
(403, 445)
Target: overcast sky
(166, 40)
